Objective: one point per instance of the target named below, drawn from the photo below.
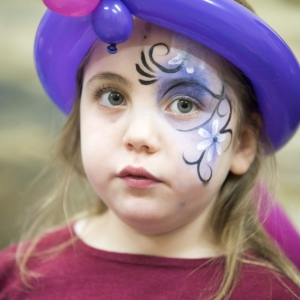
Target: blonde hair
(234, 218)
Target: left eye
(182, 106)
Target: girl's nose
(142, 133)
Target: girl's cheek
(203, 147)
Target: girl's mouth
(138, 178)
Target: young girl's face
(156, 129)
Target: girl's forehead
(150, 43)
(144, 36)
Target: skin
(170, 218)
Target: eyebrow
(186, 82)
(112, 77)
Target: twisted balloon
(111, 20)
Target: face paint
(180, 59)
(190, 82)
(145, 64)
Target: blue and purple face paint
(197, 104)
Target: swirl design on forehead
(153, 77)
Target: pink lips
(138, 178)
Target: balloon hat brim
(222, 25)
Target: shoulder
(10, 280)
(260, 282)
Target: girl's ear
(244, 153)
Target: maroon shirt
(82, 272)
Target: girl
(172, 138)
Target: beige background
(29, 122)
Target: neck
(107, 232)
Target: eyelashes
(178, 104)
(103, 89)
(109, 97)
(182, 104)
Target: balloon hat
(70, 27)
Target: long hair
(234, 218)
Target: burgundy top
(82, 272)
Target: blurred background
(29, 122)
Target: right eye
(112, 98)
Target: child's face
(158, 105)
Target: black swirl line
(165, 70)
(223, 130)
(142, 72)
(198, 84)
(145, 82)
(146, 65)
(198, 163)
(221, 98)
(144, 61)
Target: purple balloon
(112, 22)
(57, 59)
(224, 26)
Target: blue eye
(112, 98)
(182, 106)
